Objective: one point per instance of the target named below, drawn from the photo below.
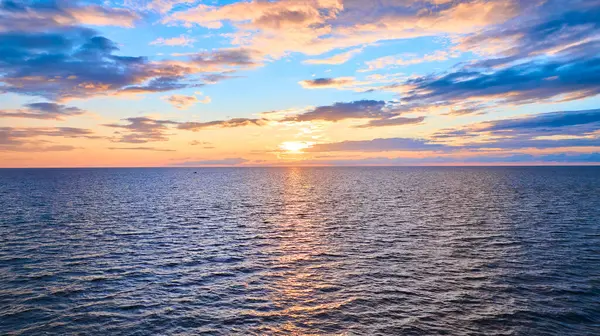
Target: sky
(145, 83)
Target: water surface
(365, 251)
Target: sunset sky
(299, 82)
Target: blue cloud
(549, 52)
(518, 84)
(577, 129)
(383, 113)
(549, 120)
(550, 26)
(522, 158)
(380, 145)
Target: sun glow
(294, 146)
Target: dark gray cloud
(43, 111)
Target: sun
(294, 146)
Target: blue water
(325, 251)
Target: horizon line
(579, 164)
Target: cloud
(379, 145)
(181, 41)
(361, 109)
(145, 129)
(314, 27)
(371, 83)
(153, 149)
(36, 15)
(549, 121)
(381, 113)
(563, 129)
(235, 122)
(184, 102)
(31, 139)
(560, 123)
(518, 158)
(544, 130)
(466, 109)
(234, 57)
(409, 59)
(337, 59)
(552, 55)
(160, 6)
(43, 111)
(71, 62)
(58, 61)
(550, 28)
(219, 162)
(181, 102)
(142, 130)
(197, 143)
(529, 82)
(320, 83)
(398, 121)
(279, 15)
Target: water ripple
(311, 251)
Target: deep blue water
(327, 251)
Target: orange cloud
(314, 27)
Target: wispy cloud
(314, 27)
(180, 41)
(31, 139)
(337, 59)
(388, 62)
(43, 111)
(235, 122)
(183, 102)
(142, 130)
(37, 16)
(380, 112)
